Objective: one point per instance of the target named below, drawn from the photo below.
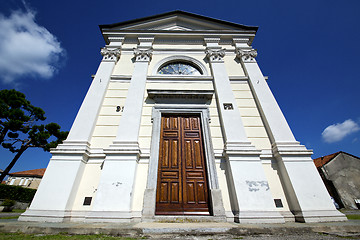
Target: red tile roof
(29, 173)
(321, 161)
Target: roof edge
(250, 28)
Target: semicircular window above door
(179, 68)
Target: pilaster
(307, 196)
(53, 201)
(119, 168)
(249, 190)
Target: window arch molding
(179, 58)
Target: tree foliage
(20, 127)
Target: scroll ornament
(215, 55)
(110, 54)
(143, 55)
(246, 55)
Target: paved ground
(200, 230)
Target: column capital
(215, 54)
(110, 54)
(143, 55)
(246, 55)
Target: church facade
(179, 122)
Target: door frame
(215, 197)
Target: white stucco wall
(88, 185)
(125, 65)
(140, 185)
(253, 124)
(108, 119)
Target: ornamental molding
(110, 54)
(212, 40)
(241, 40)
(246, 55)
(146, 39)
(116, 39)
(215, 55)
(186, 94)
(143, 55)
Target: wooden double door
(182, 187)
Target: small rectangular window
(87, 201)
(278, 203)
(228, 106)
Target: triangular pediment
(177, 21)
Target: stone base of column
(288, 216)
(250, 192)
(307, 196)
(45, 216)
(53, 201)
(319, 216)
(113, 216)
(259, 217)
(217, 204)
(148, 212)
(114, 194)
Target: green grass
(21, 236)
(18, 210)
(10, 217)
(353, 216)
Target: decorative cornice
(143, 55)
(116, 39)
(188, 94)
(246, 55)
(240, 40)
(212, 40)
(146, 39)
(110, 54)
(215, 55)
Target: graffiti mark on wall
(255, 186)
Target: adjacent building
(179, 121)
(340, 172)
(27, 179)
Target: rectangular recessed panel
(166, 123)
(165, 153)
(174, 153)
(188, 155)
(198, 155)
(175, 123)
(170, 134)
(201, 192)
(191, 134)
(164, 192)
(190, 192)
(174, 192)
(194, 175)
(186, 123)
(195, 124)
(170, 175)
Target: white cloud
(26, 48)
(339, 131)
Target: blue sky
(309, 49)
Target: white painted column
(54, 201)
(305, 191)
(82, 128)
(113, 200)
(250, 193)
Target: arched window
(180, 68)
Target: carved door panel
(182, 181)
